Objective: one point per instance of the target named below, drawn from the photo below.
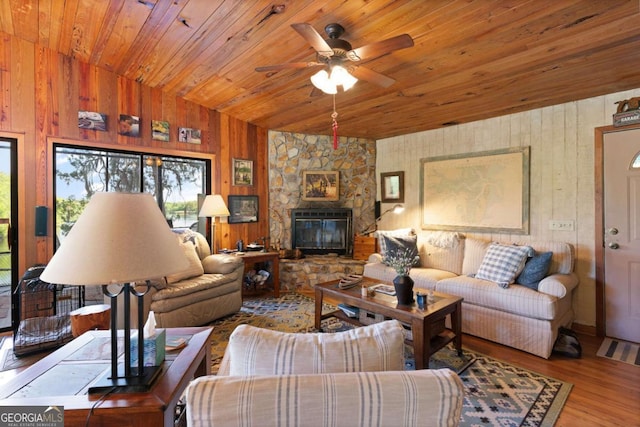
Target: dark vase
(404, 289)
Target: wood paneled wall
(561, 138)
(41, 92)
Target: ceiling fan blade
(314, 39)
(289, 65)
(380, 48)
(371, 76)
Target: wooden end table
(426, 324)
(252, 258)
(63, 377)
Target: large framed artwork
(392, 187)
(485, 191)
(321, 185)
(243, 209)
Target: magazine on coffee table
(384, 289)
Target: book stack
(349, 310)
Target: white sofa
(351, 378)
(516, 316)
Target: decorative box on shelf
(369, 318)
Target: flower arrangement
(402, 259)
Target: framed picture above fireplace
(321, 185)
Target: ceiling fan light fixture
(340, 76)
(321, 81)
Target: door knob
(613, 231)
(614, 245)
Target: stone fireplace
(322, 231)
(291, 153)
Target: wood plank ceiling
(471, 60)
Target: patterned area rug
(620, 350)
(496, 393)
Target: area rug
(496, 393)
(620, 350)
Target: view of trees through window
(80, 172)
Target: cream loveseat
(209, 289)
(519, 316)
(351, 378)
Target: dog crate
(43, 313)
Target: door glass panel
(636, 162)
(176, 183)
(81, 172)
(5, 221)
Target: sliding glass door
(175, 182)
(8, 235)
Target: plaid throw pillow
(502, 263)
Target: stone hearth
(303, 274)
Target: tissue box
(154, 349)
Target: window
(636, 162)
(175, 182)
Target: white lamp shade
(213, 206)
(118, 238)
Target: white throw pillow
(503, 263)
(258, 351)
(195, 265)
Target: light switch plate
(561, 225)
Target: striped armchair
(342, 379)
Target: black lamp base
(131, 384)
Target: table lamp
(373, 227)
(213, 207)
(119, 239)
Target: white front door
(622, 234)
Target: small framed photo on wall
(392, 187)
(242, 172)
(92, 120)
(160, 130)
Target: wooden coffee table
(426, 324)
(62, 379)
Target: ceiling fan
(339, 58)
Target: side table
(252, 258)
(63, 377)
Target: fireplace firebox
(317, 231)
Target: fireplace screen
(322, 231)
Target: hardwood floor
(604, 393)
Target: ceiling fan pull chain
(334, 116)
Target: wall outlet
(561, 225)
